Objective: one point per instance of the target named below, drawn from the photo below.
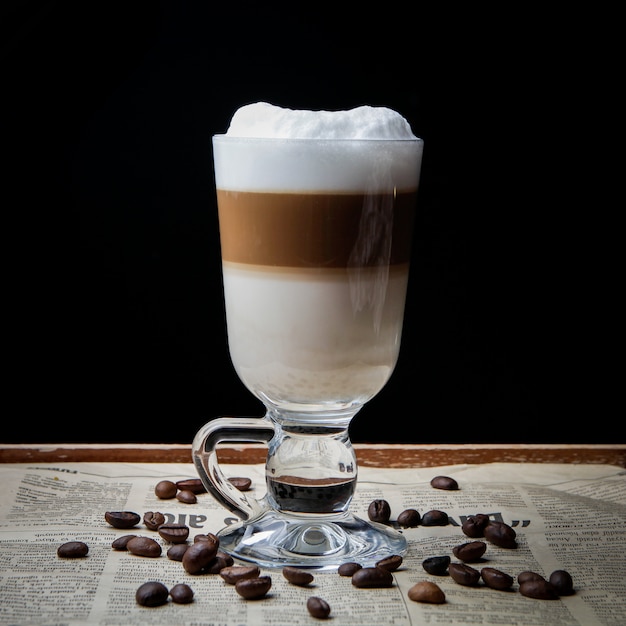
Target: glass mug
(315, 238)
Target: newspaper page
(566, 516)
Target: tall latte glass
(315, 238)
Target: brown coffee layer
(316, 229)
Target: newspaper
(567, 516)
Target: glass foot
(277, 540)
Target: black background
(112, 277)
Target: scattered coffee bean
(122, 519)
(165, 489)
(144, 546)
(463, 574)
(372, 577)
(216, 565)
(153, 519)
(181, 593)
(474, 525)
(496, 579)
(444, 482)
(527, 575)
(409, 518)
(234, 573)
(152, 594)
(470, 551)
(120, 542)
(174, 533)
(73, 550)
(425, 591)
(186, 496)
(175, 552)
(318, 607)
(562, 582)
(347, 569)
(297, 576)
(391, 563)
(228, 560)
(191, 484)
(379, 511)
(253, 588)
(436, 565)
(435, 518)
(500, 534)
(242, 483)
(207, 537)
(198, 556)
(539, 589)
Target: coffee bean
(379, 511)
(122, 519)
(181, 593)
(391, 563)
(425, 591)
(435, 518)
(165, 489)
(152, 594)
(500, 534)
(444, 482)
(186, 496)
(474, 525)
(436, 565)
(242, 483)
(253, 588)
(216, 565)
(153, 519)
(234, 573)
(198, 556)
(228, 560)
(470, 551)
(347, 569)
(144, 546)
(495, 578)
(372, 577)
(73, 550)
(174, 533)
(527, 575)
(120, 542)
(539, 589)
(175, 552)
(562, 582)
(318, 607)
(409, 518)
(463, 574)
(191, 484)
(297, 576)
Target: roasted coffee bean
(241, 482)
(175, 552)
(216, 565)
(527, 575)
(186, 496)
(233, 573)
(379, 511)
(474, 525)
(318, 607)
(122, 519)
(539, 589)
(435, 518)
(470, 551)
(153, 519)
(174, 533)
(198, 556)
(425, 591)
(463, 574)
(347, 569)
(144, 546)
(120, 542)
(228, 560)
(191, 484)
(372, 577)
(181, 593)
(436, 565)
(500, 534)
(496, 579)
(253, 588)
(391, 563)
(152, 593)
(409, 518)
(165, 489)
(444, 482)
(297, 576)
(73, 550)
(207, 537)
(562, 582)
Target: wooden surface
(368, 455)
